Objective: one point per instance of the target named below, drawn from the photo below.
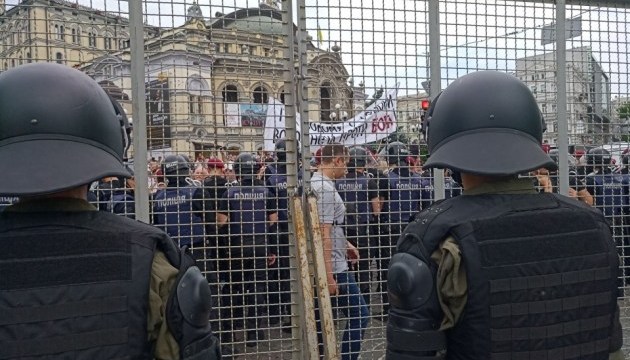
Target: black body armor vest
(541, 272)
(75, 285)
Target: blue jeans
(352, 305)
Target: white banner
(232, 115)
(376, 122)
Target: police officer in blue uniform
(402, 198)
(502, 271)
(249, 209)
(123, 201)
(173, 208)
(78, 283)
(360, 195)
(279, 274)
(451, 187)
(611, 196)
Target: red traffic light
(425, 104)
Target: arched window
(109, 41)
(282, 97)
(260, 95)
(230, 93)
(59, 58)
(325, 95)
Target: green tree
(623, 111)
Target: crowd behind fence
(211, 89)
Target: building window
(252, 50)
(195, 104)
(282, 97)
(268, 52)
(108, 42)
(92, 39)
(12, 63)
(324, 102)
(74, 36)
(260, 95)
(20, 60)
(59, 30)
(230, 94)
(59, 58)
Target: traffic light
(425, 104)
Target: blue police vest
(451, 189)
(610, 195)
(353, 189)
(173, 213)
(278, 183)
(248, 209)
(124, 204)
(405, 193)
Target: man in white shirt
(342, 285)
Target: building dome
(254, 20)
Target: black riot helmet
(598, 157)
(58, 130)
(359, 158)
(281, 150)
(396, 153)
(175, 169)
(486, 123)
(246, 166)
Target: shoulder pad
(193, 296)
(409, 281)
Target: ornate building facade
(207, 80)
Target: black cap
(486, 123)
(58, 130)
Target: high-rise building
(588, 94)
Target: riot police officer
(610, 195)
(249, 210)
(401, 192)
(500, 272)
(173, 208)
(360, 195)
(79, 283)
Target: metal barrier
(212, 81)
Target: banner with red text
(376, 122)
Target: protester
(342, 286)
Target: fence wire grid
(218, 84)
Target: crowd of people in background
(232, 213)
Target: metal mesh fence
(224, 82)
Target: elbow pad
(415, 313)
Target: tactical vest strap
(582, 351)
(63, 259)
(27, 315)
(61, 344)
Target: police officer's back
(173, 208)
(78, 283)
(500, 272)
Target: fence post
(435, 70)
(323, 296)
(563, 126)
(140, 168)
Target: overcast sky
(385, 42)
